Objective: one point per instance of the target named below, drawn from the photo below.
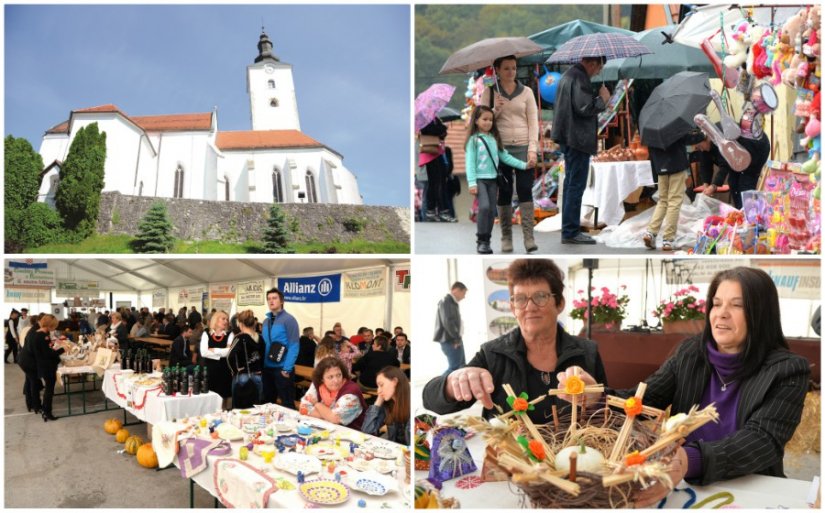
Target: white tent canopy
(135, 281)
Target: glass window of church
(273, 102)
(271, 84)
(226, 187)
(277, 186)
(178, 193)
(312, 194)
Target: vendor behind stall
(747, 180)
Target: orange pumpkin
(146, 456)
(121, 435)
(132, 445)
(112, 426)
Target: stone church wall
(237, 222)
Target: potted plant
(682, 312)
(609, 309)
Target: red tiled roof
(161, 123)
(264, 139)
(175, 122)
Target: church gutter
(157, 166)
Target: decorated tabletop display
(450, 457)
(599, 457)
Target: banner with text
(794, 279)
(43, 278)
(77, 288)
(159, 298)
(401, 279)
(28, 295)
(251, 293)
(365, 283)
(191, 295)
(221, 296)
(312, 289)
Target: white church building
(186, 156)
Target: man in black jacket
(575, 129)
(448, 327)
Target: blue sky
(350, 65)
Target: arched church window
(271, 84)
(226, 187)
(178, 192)
(277, 186)
(273, 102)
(140, 190)
(312, 193)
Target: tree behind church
(154, 231)
(276, 233)
(81, 182)
(22, 169)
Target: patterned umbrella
(608, 45)
(428, 103)
(482, 53)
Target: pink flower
(579, 292)
(605, 290)
(693, 288)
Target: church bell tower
(272, 101)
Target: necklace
(546, 377)
(724, 385)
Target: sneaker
(580, 238)
(667, 245)
(483, 248)
(649, 239)
(447, 218)
(431, 216)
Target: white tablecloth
(754, 491)
(395, 499)
(73, 371)
(158, 407)
(610, 183)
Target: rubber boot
(505, 221)
(527, 221)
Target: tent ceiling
(142, 274)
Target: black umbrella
(447, 114)
(668, 114)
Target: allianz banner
(313, 289)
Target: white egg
(591, 460)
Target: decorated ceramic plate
(381, 448)
(227, 431)
(324, 492)
(328, 451)
(373, 483)
(293, 462)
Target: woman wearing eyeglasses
(527, 358)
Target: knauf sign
(313, 289)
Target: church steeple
(265, 49)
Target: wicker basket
(604, 427)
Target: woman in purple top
(742, 364)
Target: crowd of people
(248, 362)
(741, 363)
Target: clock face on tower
(269, 68)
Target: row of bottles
(177, 380)
(140, 361)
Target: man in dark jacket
(194, 317)
(448, 327)
(575, 129)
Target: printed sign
(221, 296)
(75, 288)
(28, 295)
(364, 283)
(159, 298)
(794, 279)
(29, 277)
(313, 289)
(401, 281)
(251, 293)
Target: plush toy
(781, 62)
(793, 27)
(740, 41)
(759, 65)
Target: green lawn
(120, 244)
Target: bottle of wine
(196, 386)
(191, 384)
(166, 388)
(173, 378)
(204, 382)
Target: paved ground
(459, 239)
(73, 463)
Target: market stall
(274, 457)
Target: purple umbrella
(609, 45)
(428, 103)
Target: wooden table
(155, 341)
(304, 371)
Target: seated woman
(742, 364)
(528, 358)
(325, 349)
(392, 406)
(333, 396)
(245, 361)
